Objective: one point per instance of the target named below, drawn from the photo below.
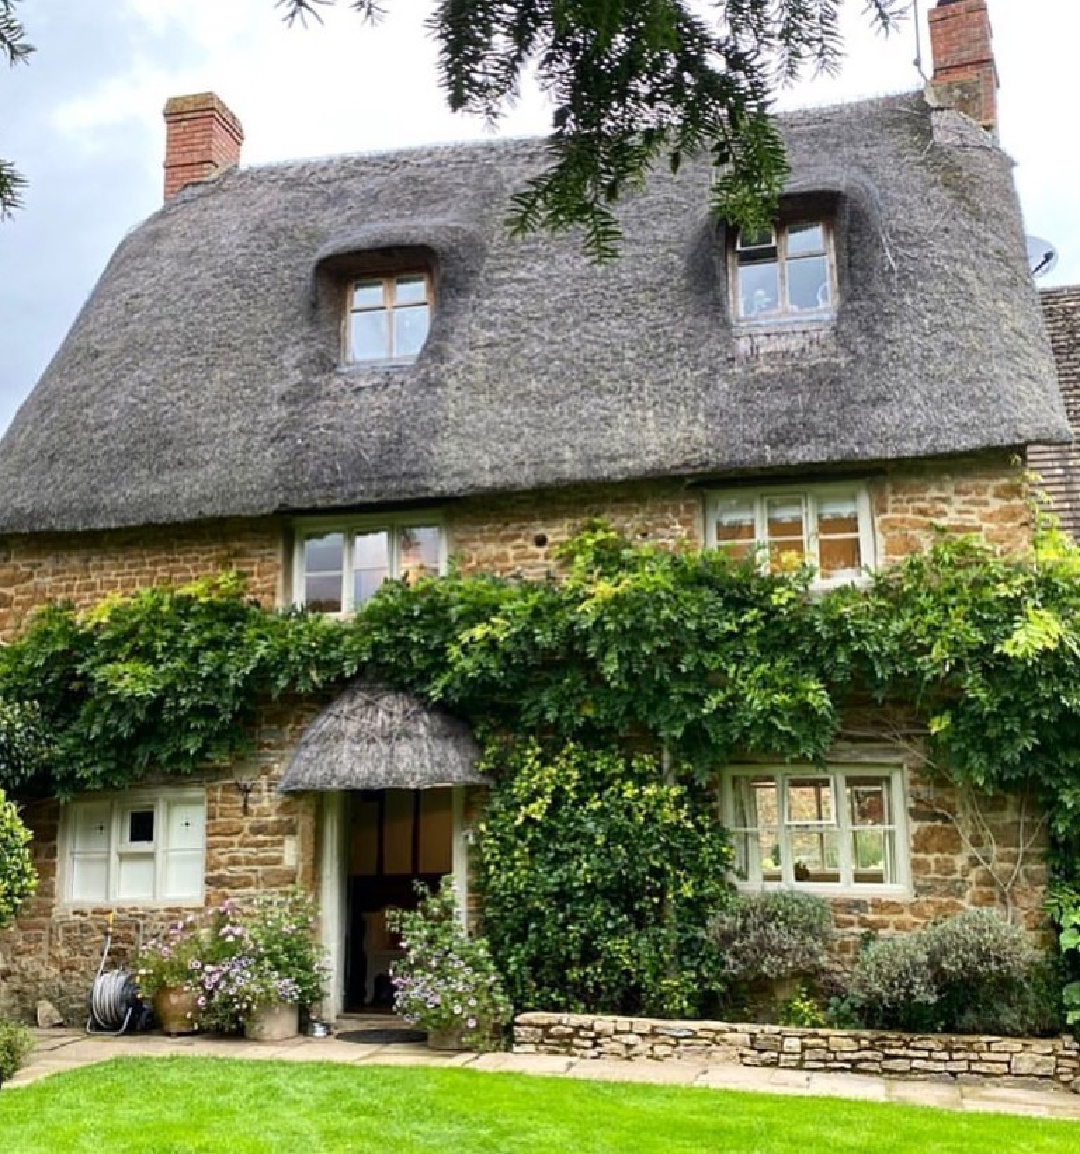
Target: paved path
(59, 1050)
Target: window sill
(785, 322)
(116, 905)
(890, 892)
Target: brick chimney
(202, 138)
(965, 76)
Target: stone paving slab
(62, 1050)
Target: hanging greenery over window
(693, 653)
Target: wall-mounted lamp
(244, 786)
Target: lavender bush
(447, 980)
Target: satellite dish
(1042, 256)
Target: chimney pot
(202, 139)
(965, 75)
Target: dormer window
(389, 317)
(784, 273)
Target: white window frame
(121, 804)
(784, 314)
(811, 496)
(349, 527)
(838, 773)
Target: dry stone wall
(1045, 1060)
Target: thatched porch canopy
(371, 737)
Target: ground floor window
(135, 847)
(839, 828)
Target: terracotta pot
(177, 1010)
(273, 1023)
(448, 1039)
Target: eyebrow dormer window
(785, 272)
(389, 317)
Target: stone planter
(448, 1039)
(273, 1023)
(177, 1010)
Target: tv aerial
(1042, 256)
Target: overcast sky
(83, 122)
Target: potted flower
(167, 969)
(446, 982)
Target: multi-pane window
(340, 568)
(388, 317)
(828, 527)
(798, 826)
(785, 271)
(136, 848)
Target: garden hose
(114, 996)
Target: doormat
(382, 1037)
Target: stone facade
(54, 949)
(1054, 1061)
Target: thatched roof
(370, 737)
(1059, 465)
(202, 378)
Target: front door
(395, 838)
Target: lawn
(188, 1105)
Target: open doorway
(394, 838)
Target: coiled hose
(113, 999)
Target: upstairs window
(785, 272)
(389, 317)
(339, 568)
(828, 526)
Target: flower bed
(1047, 1060)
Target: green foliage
(802, 1010)
(18, 881)
(16, 1042)
(974, 973)
(447, 981)
(14, 46)
(598, 879)
(1064, 907)
(773, 934)
(24, 748)
(632, 82)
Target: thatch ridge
(202, 380)
(373, 737)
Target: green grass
(175, 1105)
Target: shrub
(773, 934)
(447, 980)
(16, 1042)
(973, 973)
(599, 878)
(17, 878)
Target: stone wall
(86, 567)
(1047, 1060)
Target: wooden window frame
(349, 527)
(388, 278)
(838, 773)
(784, 314)
(121, 804)
(811, 496)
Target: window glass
(369, 336)
(810, 801)
(324, 561)
(418, 552)
(368, 294)
(815, 856)
(805, 238)
(755, 832)
(808, 283)
(735, 526)
(135, 878)
(140, 826)
(410, 290)
(759, 288)
(410, 330)
(371, 564)
(786, 529)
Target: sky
(83, 121)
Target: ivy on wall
(689, 652)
